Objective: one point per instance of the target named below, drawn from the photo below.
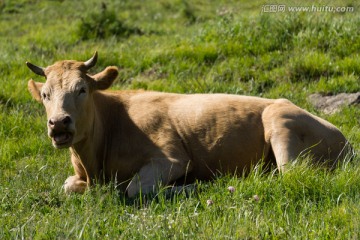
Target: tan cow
(141, 138)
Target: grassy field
(180, 46)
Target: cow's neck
(94, 149)
(85, 150)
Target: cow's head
(67, 97)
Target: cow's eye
(45, 96)
(82, 91)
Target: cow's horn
(38, 70)
(91, 62)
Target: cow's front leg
(75, 184)
(79, 182)
(158, 171)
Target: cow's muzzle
(60, 132)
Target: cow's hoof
(74, 184)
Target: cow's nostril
(51, 122)
(66, 121)
(63, 122)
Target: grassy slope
(200, 46)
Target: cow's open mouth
(62, 139)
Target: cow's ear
(35, 89)
(104, 79)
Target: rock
(333, 104)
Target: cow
(141, 139)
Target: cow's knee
(145, 181)
(74, 184)
(159, 171)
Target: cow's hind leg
(286, 146)
(281, 133)
(292, 131)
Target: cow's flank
(141, 138)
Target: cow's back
(221, 133)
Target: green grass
(186, 47)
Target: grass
(186, 47)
